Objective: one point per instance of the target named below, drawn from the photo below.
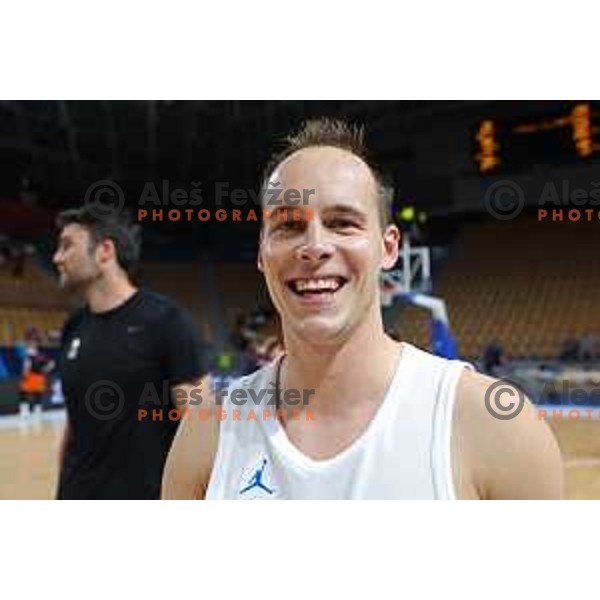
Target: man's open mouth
(316, 285)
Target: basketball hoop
(390, 288)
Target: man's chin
(319, 329)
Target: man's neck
(108, 293)
(345, 373)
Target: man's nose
(316, 245)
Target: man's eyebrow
(346, 210)
(289, 211)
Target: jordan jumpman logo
(256, 480)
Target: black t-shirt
(113, 364)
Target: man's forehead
(326, 166)
(73, 230)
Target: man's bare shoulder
(193, 453)
(505, 451)
(189, 463)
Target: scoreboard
(564, 135)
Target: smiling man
(387, 420)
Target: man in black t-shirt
(124, 356)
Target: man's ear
(391, 243)
(106, 250)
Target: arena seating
(230, 289)
(14, 323)
(530, 286)
(182, 281)
(33, 300)
(36, 288)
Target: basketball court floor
(29, 456)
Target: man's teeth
(330, 284)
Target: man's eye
(342, 223)
(289, 225)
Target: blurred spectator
(13, 257)
(268, 350)
(34, 383)
(493, 357)
(589, 346)
(570, 351)
(274, 349)
(53, 336)
(257, 341)
(33, 334)
(248, 361)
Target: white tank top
(403, 454)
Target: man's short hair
(338, 134)
(115, 226)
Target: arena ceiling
(56, 149)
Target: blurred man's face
(323, 273)
(76, 258)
